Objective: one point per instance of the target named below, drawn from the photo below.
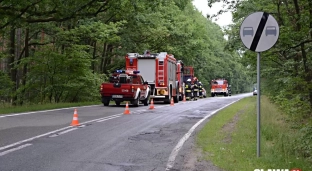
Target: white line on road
(55, 135)
(109, 118)
(44, 111)
(178, 147)
(14, 149)
(49, 133)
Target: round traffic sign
(259, 31)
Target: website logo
(295, 169)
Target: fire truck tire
(181, 97)
(167, 101)
(137, 101)
(105, 101)
(117, 103)
(147, 100)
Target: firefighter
(200, 88)
(195, 88)
(188, 89)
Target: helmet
(188, 80)
(200, 82)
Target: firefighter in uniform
(200, 88)
(195, 88)
(188, 89)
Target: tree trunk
(24, 77)
(13, 71)
(93, 57)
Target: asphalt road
(108, 140)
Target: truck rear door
(117, 90)
(147, 68)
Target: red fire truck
(159, 70)
(180, 78)
(219, 87)
(188, 73)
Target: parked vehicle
(180, 77)
(219, 87)
(255, 92)
(160, 72)
(125, 86)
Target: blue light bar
(136, 72)
(119, 71)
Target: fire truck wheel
(181, 97)
(105, 101)
(176, 99)
(117, 103)
(146, 101)
(137, 101)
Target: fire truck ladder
(161, 72)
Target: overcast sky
(223, 20)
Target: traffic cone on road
(75, 121)
(152, 105)
(184, 99)
(172, 102)
(127, 111)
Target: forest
(54, 52)
(286, 70)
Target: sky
(223, 20)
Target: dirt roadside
(191, 158)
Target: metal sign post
(259, 32)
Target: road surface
(107, 140)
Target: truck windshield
(124, 78)
(186, 71)
(218, 82)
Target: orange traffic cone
(152, 105)
(184, 99)
(127, 111)
(172, 102)
(75, 121)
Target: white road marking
(178, 147)
(14, 149)
(49, 133)
(44, 111)
(108, 118)
(55, 135)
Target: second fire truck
(220, 87)
(160, 71)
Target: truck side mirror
(145, 83)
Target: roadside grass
(9, 109)
(229, 139)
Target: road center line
(64, 132)
(178, 147)
(108, 118)
(14, 149)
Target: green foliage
(286, 68)
(229, 139)
(73, 46)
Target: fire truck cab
(219, 87)
(160, 72)
(188, 73)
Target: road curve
(107, 139)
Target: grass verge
(7, 109)
(229, 139)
